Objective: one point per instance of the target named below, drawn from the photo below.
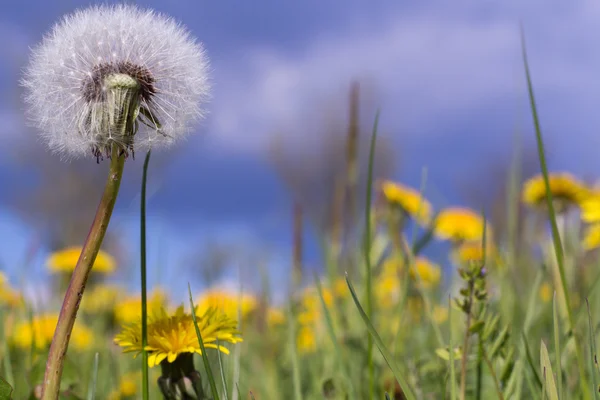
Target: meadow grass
(515, 320)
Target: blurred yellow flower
(440, 314)
(472, 251)
(275, 317)
(590, 207)
(128, 387)
(41, 330)
(129, 310)
(546, 292)
(429, 273)
(8, 296)
(306, 340)
(101, 298)
(172, 335)
(227, 302)
(387, 289)
(311, 305)
(408, 199)
(65, 261)
(340, 288)
(460, 224)
(565, 188)
(591, 239)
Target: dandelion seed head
(96, 62)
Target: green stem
(145, 392)
(367, 251)
(68, 312)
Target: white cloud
(429, 68)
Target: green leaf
(5, 390)
(547, 375)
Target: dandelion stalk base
(68, 312)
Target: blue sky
(447, 78)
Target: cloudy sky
(447, 77)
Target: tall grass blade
(529, 357)
(145, 390)
(211, 378)
(408, 393)
(6, 359)
(94, 378)
(557, 349)
(223, 381)
(367, 255)
(593, 355)
(558, 249)
(453, 390)
(294, 354)
(546, 367)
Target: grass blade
(451, 353)
(557, 350)
(546, 367)
(145, 390)
(558, 249)
(294, 354)
(367, 255)
(384, 351)
(211, 378)
(225, 390)
(331, 330)
(593, 356)
(92, 386)
(529, 357)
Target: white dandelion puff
(111, 76)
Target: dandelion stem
(145, 393)
(68, 312)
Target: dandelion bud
(115, 76)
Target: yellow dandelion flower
(409, 200)
(472, 251)
(311, 305)
(66, 260)
(306, 340)
(101, 299)
(9, 296)
(387, 289)
(227, 302)
(340, 288)
(460, 224)
(429, 273)
(591, 239)
(41, 330)
(128, 387)
(275, 317)
(440, 314)
(565, 188)
(546, 292)
(129, 310)
(172, 335)
(590, 207)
